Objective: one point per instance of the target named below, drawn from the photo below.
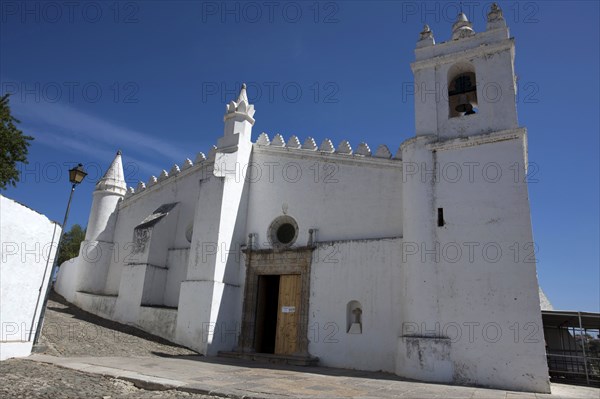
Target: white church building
(419, 262)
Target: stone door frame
(275, 262)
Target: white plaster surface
(367, 271)
(336, 194)
(29, 241)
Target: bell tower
(459, 193)
(467, 85)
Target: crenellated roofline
(292, 147)
(344, 149)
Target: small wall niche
(354, 317)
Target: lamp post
(76, 176)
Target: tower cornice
(477, 50)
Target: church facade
(419, 263)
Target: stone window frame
(275, 225)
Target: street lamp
(76, 176)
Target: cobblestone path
(27, 379)
(69, 331)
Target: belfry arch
(462, 90)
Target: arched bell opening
(462, 90)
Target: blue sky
(151, 78)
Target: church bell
(464, 105)
(466, 94)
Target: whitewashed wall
(367, 271)
(67, 278)
(343, 196)
(472, 281)
(107, 302)
(29, 241)
(182, 189)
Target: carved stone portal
(274, 264)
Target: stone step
(272, 358)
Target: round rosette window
(283, 231)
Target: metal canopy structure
(590, 321)
(573, 345)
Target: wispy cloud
(102, 154)
(64, 126)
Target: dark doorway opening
(266, 313)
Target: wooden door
(288, 314)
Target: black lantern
(77, 174)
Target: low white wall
(29, 242)
(158, 321)
(66, 279)
(100, 305)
